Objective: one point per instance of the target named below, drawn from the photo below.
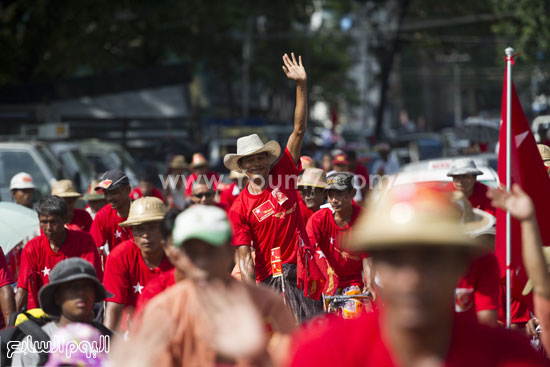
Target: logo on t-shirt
(464, 299)
(264, 211)
(279, 195)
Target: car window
(51, 161)
(15, 161)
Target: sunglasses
(207, 195)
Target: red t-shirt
(227, 196)
(306, 212)
(126, 273)
(210, 176)
(82, 219)
(270, 219)
(136, 194)
(105, 228)
(479, 289)
(479, 198)
(362, 171)
(38, 259)
(6, 278)
(154, 287)
(359, 342)
(322, 230)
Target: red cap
(340, 159)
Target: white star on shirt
(137, 288)
(46, 271)
(118, 234)
(321, 254)
(332, 240)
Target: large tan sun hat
(474, 221)
(529, 285)
(65, 189)
(544, 151)
(411, 215)
(178, 162)
(250, 145)
(314, 177)
(143, 210)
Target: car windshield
(15, 161)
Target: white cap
(203, 222)
(22, 180)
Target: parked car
(36, 159)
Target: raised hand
(293, 69)
(516, 201)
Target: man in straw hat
(464, 173)
(419, 250)
(267, 214)
(199, 167)
(95, 200)
(311, 185)
(76, 218)
(133, 263)
(42, 253)
(105, 230)
(69, 298)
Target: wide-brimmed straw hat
(411, 215)
(313, 177)
(250, 145)
(92, 194)
(143, 210)
(65, 189)
(465, 166)
(544, 151)
(178, 162)
(475, 221)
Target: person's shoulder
(104, 212)
(124, 248)
(36, 242)
(320, 215)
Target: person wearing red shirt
(419, 249)
(134, 263)
(7, 299)
(230, 193)
(199, 167)
(76, 218)
(311, 186)
(329, 229)
(42, 253)
(146, 186)
(267, 214)
(106, 231)
(464, 173)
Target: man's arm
(113, 314)
(7, 302)
(487, 317)
(246, 264)
(20, 298)
(294, 70)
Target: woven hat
(464, 166)
(544, 151)
(92, 194)
(65, 271)
(529, 285)
(411, 215)
(314, 177)
(178, 162)
(65, 189)
(475, 221)
(21, 181)
(143, 210)
(250, 145)
(203, 222)
(198, 161)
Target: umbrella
(16, 224)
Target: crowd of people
(287, 264)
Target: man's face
(464, 183)
(23, 196)
(201, 170)
(314, 197)
(70, 202)
(340, 199)
(146, 187)
(148, 237)
(326, 163)
(203, 195)
(255, 165)
(118, 197)
(53, 226)
(76, 299)
(341, 168)
(418, 284)
(206, 261)
(95, 205)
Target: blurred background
(87, 86)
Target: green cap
(203, 222)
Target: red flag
(529, 172)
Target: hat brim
(23, 187)
(311, 185)
(93, 197)
(138, 221)
(483, 222)
(231, 160)
(464, 171)
(46, 295)
(69, 195)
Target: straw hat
(143, 210)
(65, 189)
(250, 145)
(178, 162)
(475, 221)
(91, 194)
(198, 160)
(411, 215)
(529, 285)
(314, 177)
(465, 166)
(544, 151)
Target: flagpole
(509, 52)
